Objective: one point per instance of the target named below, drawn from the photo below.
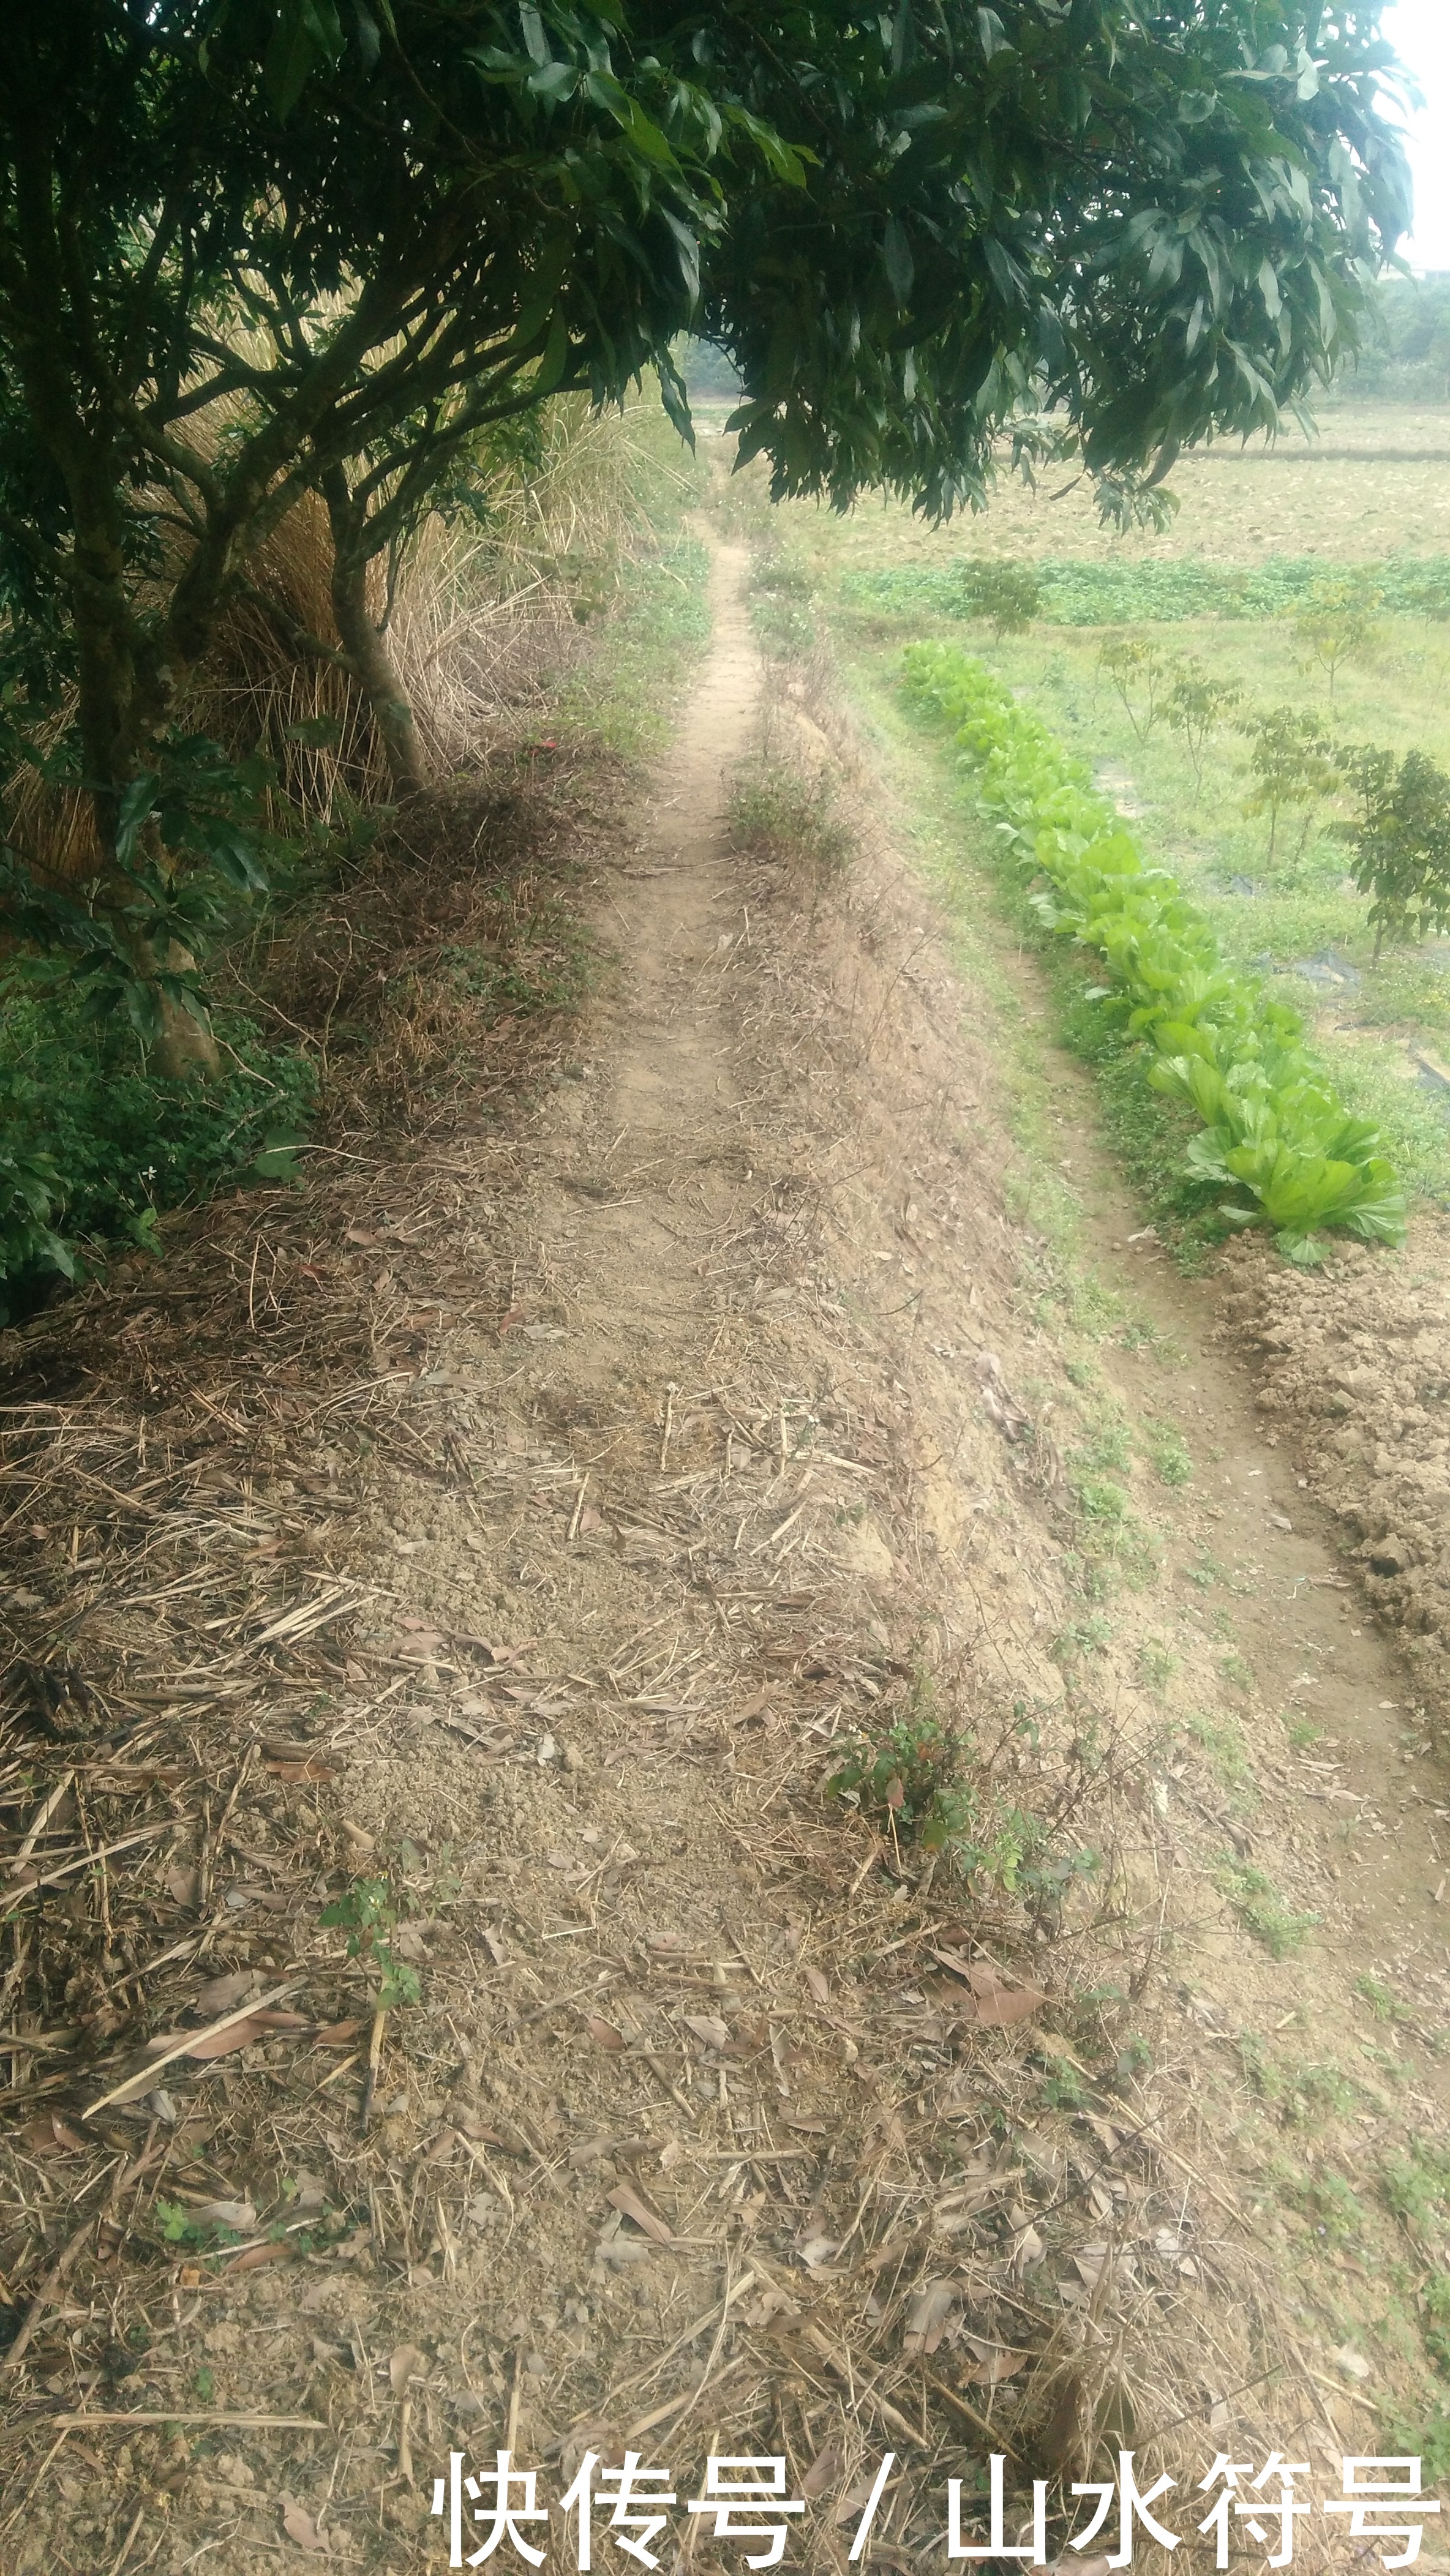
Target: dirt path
(726, 2118)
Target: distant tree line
(1406, 359)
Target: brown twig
(370, 2080)
(44, 2296)
(140, 2081)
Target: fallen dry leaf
(996, 2003)
(798, 2120)
(472, 2127)
(772, 2303)
(928, 2309)
(223, 1992)
(818, 1984)
(337, 2034)
(257, 2257)
(312, 1769)
(815, 2250)
(630, 2205)
(227, 2213)
(222, 2043)
(299, 2525)
(993, 2362)
(402, 2366)
(825, 2468)
(603, 2033)
(49, 2135)
(1027, 2249)
(708, 2028)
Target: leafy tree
(254, 247)
(1339, 621)
(1293, 763)
(1402, 844)
(1007, 595)
(1196, 706)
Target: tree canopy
(251, 248)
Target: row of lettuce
(1084, 592)
(1275, 1139)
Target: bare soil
(536, 1512)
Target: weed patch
(776, 811)
(1260, 1908)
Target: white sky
(1419, 30)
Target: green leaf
(897, 260)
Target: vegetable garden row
(1275, 1137)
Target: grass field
(1383, 1029)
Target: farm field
(1372, 483)
(1254, 527)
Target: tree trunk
(185, 1051)
(363, 643)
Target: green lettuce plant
(1274, 1136)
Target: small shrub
(1331, 2208)
(915, 1775)
(1196, 706)
(1156, 1668)
(1293, 763)
(94, 1147)
(1338, 621)
(1007, 595)
(1402, 844)
(1090, 1636)
(1140, 676)
(368, 1913)
(1223, 1746)
(1170, 1453)
(908, 1775)
(1379, 1999)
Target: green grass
(626, 693)
(1417, 2188)
(1169, 1452)
(1260, 1908)
(1164, 592)
(1223, 1745)
(126, 1146)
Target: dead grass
(489, 613)
(519, 1517)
